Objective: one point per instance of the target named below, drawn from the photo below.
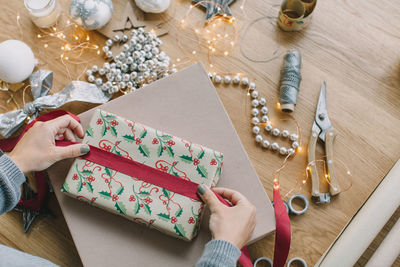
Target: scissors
(323, 130)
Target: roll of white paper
(366, 224)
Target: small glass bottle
(44, 13)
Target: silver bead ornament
(252, 86)
(283, 151)
(109, 54)
(99, 81)
(258, 138)
(264, 110)
(295, 144)
(95, 68)
(265, 143)
(217, 79)
(116, 38)
(293, 137)
(254, 94)
(263, 101)
(236, 80)
(254, 111)
(255, 102)
(210, 75)
(268, 127)
(124, 38)
(274, 146)
(118, 78)
(264, 118)
(256, 129)
(106, 49)
(102, 71)
(285, 133)
(126, 77)
(290, 151)
(91, 78)
(276, 132)
(89, 72)
(245, 81)
(227, 79)
(255, 120)
(109, 42)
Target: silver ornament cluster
(141, 62)
(259, 114)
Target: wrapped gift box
(139, 201)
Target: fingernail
(85, 149)
(201, 189)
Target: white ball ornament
(265, 143)
(283, 151)
(276, 131)
(258, 138)
(285, 133)
(91, 14)
(256, 129)
(16, 61)
(153, 6)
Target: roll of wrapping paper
(366, 224)
(290, 80)
(295, 15)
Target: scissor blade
(321, 115)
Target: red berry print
(170, 143)
(155, 141)
(99, 122)
(196, 162)
(90, 179)
(75, 177)
(191, 220)
(114, 123)
(115, 198)
(173, 220)
(107, 181)
(108, 128)
(130, 124)
(213, 162)
(132, 198)
(148, 200)
(164, 147)
(138, 141)
(141, 205)
(84, 183)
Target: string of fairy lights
(217, 37)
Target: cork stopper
(287, 107)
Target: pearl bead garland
(259, 109)
(140, 63)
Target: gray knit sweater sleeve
(219, 253)
(11, 179)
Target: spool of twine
(290, 80)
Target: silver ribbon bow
(41, 83)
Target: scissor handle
(329, 139)
(312, 167)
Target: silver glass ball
(129, 60)
(275, 132)
(210, 75)
(285, 133)
(89, 72)
(283, 151)
(122, 85)
(155, 50)
(91, 78)
(293, 137)
(263, 101)
(108, 84)
(124, 38)
(138, 47)
(252, 86)
(290, 151)
(227, 79)
(118, 78)
(129, 85)
(126, 77)
(106, 49)
(256, 129)
(258, 138)
(102, 71)
(142, 67)
(113, 65)
(264, 118)
(295, 144)
(268, 127)
(114, 88)
(126, 47)
(109, 54)
(254, 111)
(255, 102)
(255, 120)
(217, 79)
(236, 80)
(265, 143)
(95, 68)
(245, 81)
(264, 110)
(254, 94)
(109, 42)
(99, 81)
(133, 75)
(274, 146)
(116, 38)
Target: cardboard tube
(388, 250)
(366, 224)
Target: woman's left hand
(37, 149)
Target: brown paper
(184, 104)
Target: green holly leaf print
(175, 173)
(201, 154)
(79, 186)
(65, 187)
(160, 150)
(129, 138)
(170, 151)
(144, 150)
(113, 131)
(179, 229)
(300, 22)
(89, 131)
(202, 171)
(136, 209)
(164, 217)
(120, 207)
(165, 192)
(109, 117)
(86, 172)
(89, 187)
(166, 137)
(186, 159)
(144, 193)
(143, 135)
(103, 130)
(178, 213)
(147, 209)
(108, 171)
(105, 195)
(120, 191)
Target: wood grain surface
(352, 45)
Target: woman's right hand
(233, 224)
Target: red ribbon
(159, 178)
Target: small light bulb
(211, 65)
(178, 60)
(173, 65)
(87, 38)
(76, 38)
(241, 7)
(304, 181)
(226, 53)
(196, 30)
(348, 172)
(46, 45)
(18, 17)
(39, 36)
(299, 148)
(98, 52)
(194, 52)
(68, 21)
(182, 21)
(66, 58)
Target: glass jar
(44, 13)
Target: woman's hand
(37, 149)
(234, 224)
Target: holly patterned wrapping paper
(139, 201)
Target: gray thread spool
(290, 80)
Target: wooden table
(353, 46)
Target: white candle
(44, 13)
